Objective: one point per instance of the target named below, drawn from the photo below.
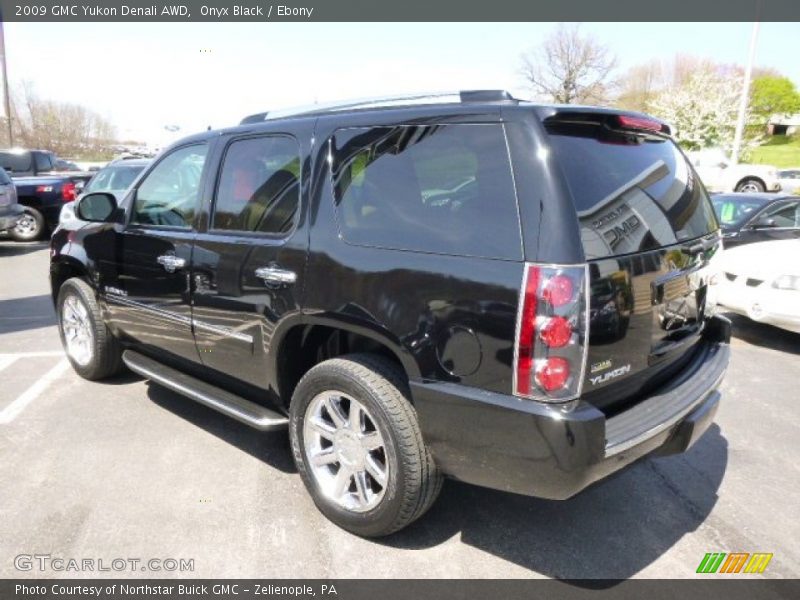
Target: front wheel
(358, 447)
(750, 186)
(90, 346)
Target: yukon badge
(618, 372)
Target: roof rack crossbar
(463, 96)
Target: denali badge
(600, 366)
(610, 375)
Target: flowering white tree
(703, 109)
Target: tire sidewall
(71, 289)
(380, 518)
(36, 234)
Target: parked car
(761, 281)
(748, 218)
(720, 175)
(115, 178)
(789, 180)
(10, 210)
(323, 271)
(62, 165)
(42, 199)
(19, 162)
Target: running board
(234, 406)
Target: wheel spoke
(335, 412)
(355, 418)
(342, 481)
(322, 428)
(376, 470)
(361, 486)
(324, 457)
(371, 441)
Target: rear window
(632, 192)
(15, 161)
(445, 189)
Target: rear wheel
(91, 348)
(750, 186)
(358, 447)
(29, 227)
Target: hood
(763, 259)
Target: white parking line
(43, 354)
(17, 406)
(6, 360)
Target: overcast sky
(145, 76)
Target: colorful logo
(735, 562)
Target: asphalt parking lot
(126, 469)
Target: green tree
(771, 95)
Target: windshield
(734, 212)
(15, 161)
(118, 178)
(632, 192)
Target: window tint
(735, 211)
(16, 162)
(441, 188)
(259, 187)
(169, 193)
(114, 178)
(4, 178)
(632, 192)
(785, 215)
(43, 161)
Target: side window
(170, 192)
(43, 161)
(259, 186)
(785, 215)
(446, 189)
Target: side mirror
(764, 223)
(96, 207)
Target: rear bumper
(9, 215)
(526, 447)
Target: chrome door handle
(171, 263)
(275, 275)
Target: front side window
(169, 194)
(445, 189)
(259, 186)
(784, 215)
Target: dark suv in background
(509, 294)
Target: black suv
(509, 294)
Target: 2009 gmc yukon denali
(509, 294)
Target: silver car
(10, 211)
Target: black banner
(352, 589)
(400, 10)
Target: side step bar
(234, 406)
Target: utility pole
(6, 95)
(748, 73)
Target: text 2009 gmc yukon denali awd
(509, 294)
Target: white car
(790, 180)
(760, 281)
(720, 175)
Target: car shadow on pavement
(22, 314)
(765, 336)
(10, 248)
(611, 531)
(272, 448)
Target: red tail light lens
(552, 332)
(629, 122)
(68, 191)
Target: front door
(145, 263)
(779, 221)
(248, 262)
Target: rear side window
(632, 192)
(259, 186)
(16, 162)
(446, 189)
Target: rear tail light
(552, 333)
(629, 122)
(68, 191)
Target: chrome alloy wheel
(750, 187)
(26, 225)
(78, 332)
(345, 451)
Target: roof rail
(464, 96)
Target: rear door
(249, 260)
(648, 231)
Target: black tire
(750, 185)
(106, 356)
(29, 228)
(414, 481)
